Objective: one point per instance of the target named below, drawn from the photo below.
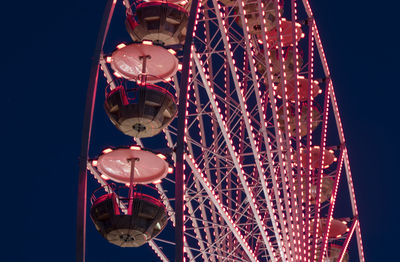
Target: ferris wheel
(252, 156)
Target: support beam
(221, 210)
(180, 144)
(347, 241)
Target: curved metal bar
(86, 131)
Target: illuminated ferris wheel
(251, 156)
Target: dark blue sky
(45, 62)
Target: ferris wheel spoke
(255, 81)
(246, 120)
(198, 235)
(188, 204)
(226, 254)
(206, 165)
(158, 251)
(224, 132)
(317, 206)
(217, 237)
(221, 210)
(278, 146)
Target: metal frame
(238, 162)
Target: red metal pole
(86, 131)
(131, 186)
(180, 143)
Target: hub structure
(250, 156)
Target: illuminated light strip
(199, 237)
(332, 204)
(166, 202)
(158, 251)
(241, 135)
(265, 218)
(258, 96)
(171, 144)
(354, 205)
(338, 123)
(301, 240)
(205, 221)
(214, 131)
(180, 184)
(308, 168)
(202, 142)
(337, 116)
(293, 251)
(277, 132)
(348, 238)
(230, 146)
(262, 119)
(203, 212)
(318, 39)
(317, 207)
(202, 128)
(100, 180)
(222, 210)
(321, 51)
(197, 232)
(229, 181)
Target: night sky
(45, 62)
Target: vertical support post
(142, 77)
(86, 131)
(131, 186)
(180, 143)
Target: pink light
(107, 150)
(162, 156)
(172, 51)
(120, 46)
(147, 42)
(135, 148)
(105, 177)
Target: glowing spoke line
(230, 146)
